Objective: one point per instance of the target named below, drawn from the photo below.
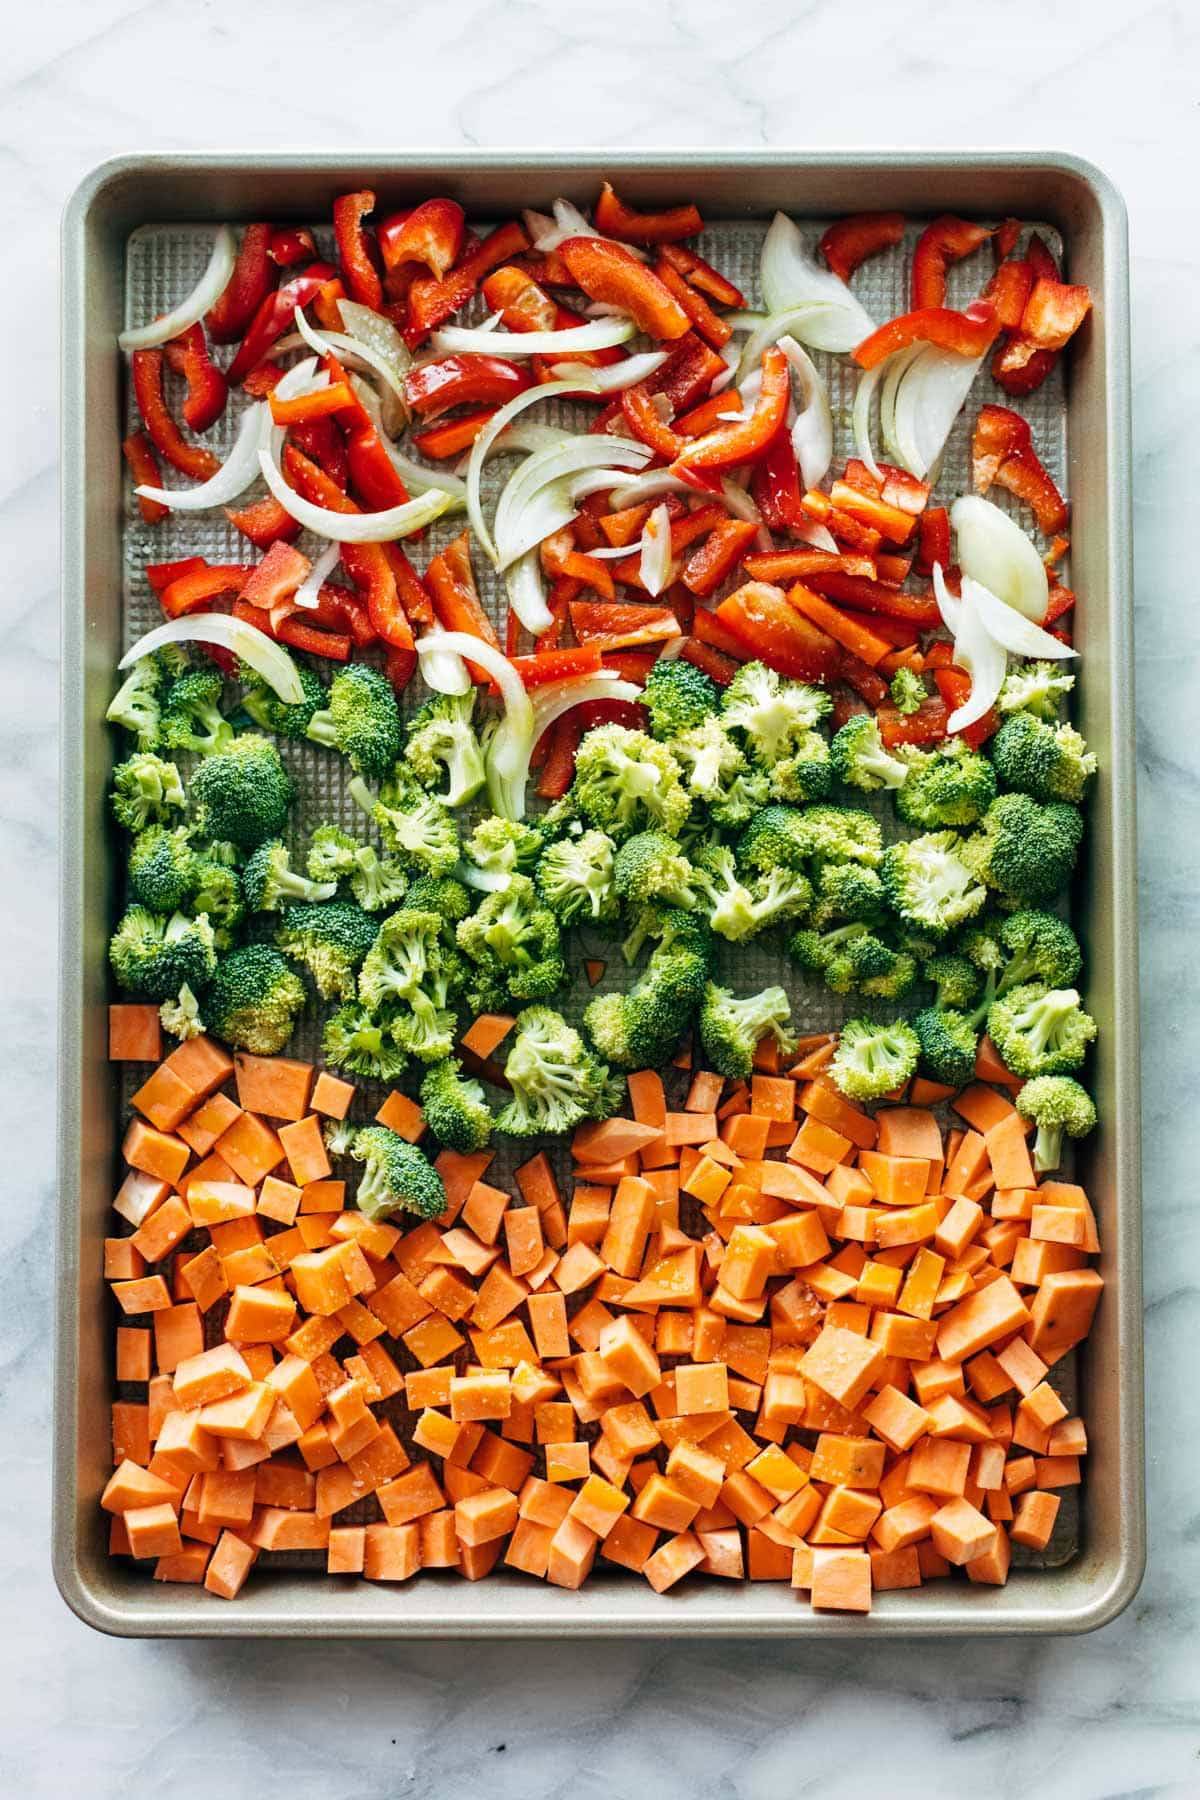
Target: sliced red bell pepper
(999, 432)
(558, 769)
(730, 444)
(326, 305)
(296, 632)
(897, 488)
(340, 609)
(1054, 555)
(686, 527)
(263, 379)
(718, 555)
(630, 665)
(354, 248)
(338, 397)
(291, 244)
(138, 452)
(372, 473)
(707, 416)
(846, 529)
(264, 522)
(275, 316)
(780, 566)
(892, 569)
(254, 275)
(366, 564)
(630, 713)
(322, 442)
(647, 425)
(431, 301)
(617, 220)
(849, 242)
(859, 675)
(521, 303)
(1040, 260)
(436, 387)
(945, 240)
(1062, 601)
(712, 328)
(925, 726)
(1018, 371)
(431, 233)
(1024, 476)
(901, 634)
(608, 272)
(625, 527)
(707, 627)
(188, 355)
(775, 482)
(700, 274)
(764, 621)
(1054, 312)
(933, 540)
(146, 369)
(1008, 290)
(687, 374)
(876, 597)
(622, 625)
(860, 641)
(1004, 239)
(276, 577)
(557, 665)
(195, 589)
(954, 686)
(967, 333)
(714, 663)
(559, 557)
(1002, 452)
(453, 436)
(893, 524)
(161, 575)
(451, 583)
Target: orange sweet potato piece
(274, 1085)
(134, 1033)
(486, 1033)
(305, 1150)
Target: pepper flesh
(967, 333)
(743, 441)
(138, 452)
(146, 370)
(476, 380)
(945, 240)
(762, 620)
(274, 316)
(849, 242)
(431, 233)
(617, 220)
(608, 272)
(354, 247)
(254, 275)
(366, 564)
(431, 301)
(188, 355)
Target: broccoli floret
(847, 893)
(854, 959)
(575, 877)
(455, 1107)
(928, 885)
(708, 757)
(361, 720)
(1037, 687)
(269, 882)
(859, 758)
(556, 1081)
(181, 1016)
(154, 957)
(255, 999)
(1040, 1031)
(771, 712)
(649, 866)
(730, 1028)
(1041, 947)
(640, 1029)
(145, 791)
(725, 897)
(339, 1136)
(741, 797)
(626, 782)
(397, 1177)
(162, 868)
(357, 1043)
(678, 696)
(441, 747)
(791, 835)
(907, 689)
(330, 940)
(243, 793)
(807, 775)
(285, 719)
(407, 949)
(415, 827)
(775, 839)
(498, 848)
(1056, 1104)
(331, 854)
(874, 1059)
(981, 945)
(440, 894)
(956, 978)
(137, 704)
(950, 786)
(1024, 850)
(217, 892)
(949, 1042)
(377, 882)
(514, 933)
(1050, 762)
(425, 1026)
(192, 718)
(668, 927)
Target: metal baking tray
(130, 229)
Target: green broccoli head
(192, 718)
(162, 868)
(929, 886)
(1056, 1104)
(709, 758)
(1041, 947)
(137, 704)
(154, 957)
(956, 978)
(243, 793)
(455, 1107)
(269, 882)
(511, 931)
(217, 892)
(498, 848)
(397, 1177)
(744, 794)
(575, 877)
(1049, 762)
(331, 854)
(724, 897)
(281, 717)
(666, 928)
(1025, 851)
(949, 1042)
(846, 893)
(440, 894)
(1037, 687)
(873, 1059)
(854, 959)
(415, 827)
(361, 720)
(641, 1028)
(806, 776)
(441, 748)
(181, 1015)
(678, 696)
(625, 782)
(330, 939)
(356, 1042)
(859, 758)
(730, 1028)
(1040, 1031)
(650, 866)
(377, 882)
(950, 786)
(556, 1081)
(823, 833)
(255, 999)
(406, 951)
(772, 713)
(146, 790)
(907, 690)
(424, 1025)
(775, 838)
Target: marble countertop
(1115, 1714)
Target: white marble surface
(1115, 1714)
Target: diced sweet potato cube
(391, 1552)
(841, 1580)
(672, 1561)
(229, 1565)
(960, 1532)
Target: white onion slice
(568, 222)
(790, 274)
(529, 437)
(309, 591)
(442, 670)
(993, 550)
(415, 476)
(930, 397)
(812, 434)
(986, 662)
(484, 443)
(597, 481)
(864, 394)
(801, 321)
(1012, 629)
(599, 334)
(654, 562)
(527, 593)
(948, 604)
(613, 378)
(819, 537)
(353, 528)
(356, 354)
(511, 743)
(557, 697)
(203, 297)
(234, 476)
(539, 491)
(897, 366)
(265, 657)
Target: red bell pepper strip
(558, 769)
(1062, 601)
(945, 240)
(999, 432)
(322, 442)
(1043, 264)
(340, 609)
(630, 665)
(146, 367)
(296, 631)
(700, 274)
(366, 564)
(876, 597)
(1054, 312)
(849, 242)
(892, 569)
(557, 665)
(326, 305)
(647, 425)
(188, 355)
(719, 667)
(275, 316)
(1004, 239)
(933, 540)
(891, 522)
(254, 275)
(276, 577)
(431, 301)
(708, 628)
(263, 380)
(712, 328)
(718, 555)
(453, 436)
(291, 244)
(686, 527)
(860, 641)
(608, 272)
(521, 303)
(414, 595)
(306, 407)
(925, 726)
(780, 566)
(705, 417)
(264, 522)
(161, 575)
(622, 626)
(1008, 290)
(437, 387)
(560, 557)
(354, 247)
(617, 220)
(1024, 476)
(768, 626)
(775, 482)
(1017, 371)
(372, 473)
(630, 713)
(687, 374)
(431, 233)
(197, 588)
(967, 333)
(451, 583)
(897, 488)
(728, 445)
(846, 529)
(954, 686)
(138, 452)
(862, 678)
(620, 529)
(899, 633)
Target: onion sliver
(790, 275)
(354, 528)
(812, 434)
(599, 334)
(930, 397)
(442, 670)
(616, 377)
(498, 422)
(252, 646)
(896, 366)
(309, 591)
(1011, 629)
(948, 604)
(517, 527)
(654, 562)
(234, 476)
(204, 295)
(993, 550)
(800, 320)
(527, 593)
(864, 394)
(976, 651)
(511, 743)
